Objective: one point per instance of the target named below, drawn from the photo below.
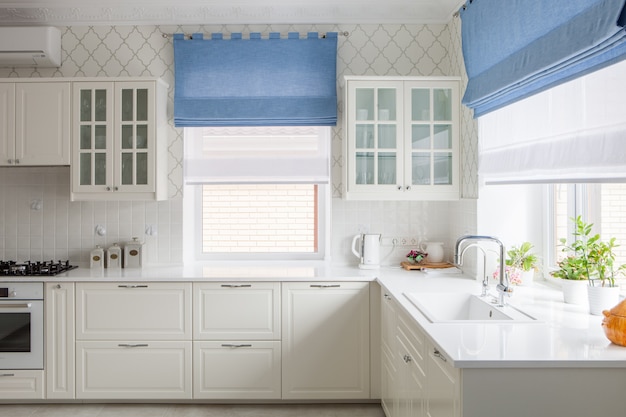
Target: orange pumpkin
(614, 324)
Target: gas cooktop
(28, 268)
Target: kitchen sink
(460, 307)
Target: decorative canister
(114, 257)
(132, 253)
(96, 260)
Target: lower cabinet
(417, 379)
(133, 370)
(237, 370)
(325, 340)
(21, 384)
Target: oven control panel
(21, 290)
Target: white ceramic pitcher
(434, 251)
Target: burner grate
(28, 268)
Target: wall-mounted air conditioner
(33, 46)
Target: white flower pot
(527, 277)
(575, 291)
(602, 298)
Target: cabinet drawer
(135, 311)
(237, 311)
(133, 370)
(237, 370)
(21, 384)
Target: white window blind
(257, 155)
(571, 133)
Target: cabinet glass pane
(100, 171)
(443, 168)
(85, 169)
(387, 136)
(142, 137)
(101, 137)
(85, 105)
(387, 168)
(85, 137)
(365, 167)
(442, 104)
(387, 104)
(364, 136)
(127, 168)
(420, 136)
(142, 168)
(420, 104)
(127, 105)
(142, 104)
(127, 137)
(421, 169)
(364, 104)
(443, 137)
(101, 106)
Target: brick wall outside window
(259, 218)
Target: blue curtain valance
(516, 48)
(255, 81)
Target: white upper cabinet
(402, 138)
(119, 140)
(34, 123)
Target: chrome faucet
(503, 287)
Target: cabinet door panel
(60, 353)
(237, 370)
(137, 311)
(237, 311)
(131, 370)
(42, 123)
(7, 123)
(325, 340)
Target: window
(603, 205)
(258, 193)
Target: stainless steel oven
(21, 325)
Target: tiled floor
(191, 410)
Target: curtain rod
(187, 36)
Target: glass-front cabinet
(402, 138)
(115, 140)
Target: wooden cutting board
(420, 267)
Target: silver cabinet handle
(438, 354)
(408, 187)
(25, 305)
(399, 187)
(236, 285)
(128, 345)
(387, 297)
(17, 161)
(407, 358)
(132, 286)
(115, 188)
(7, 374)
(230, 345)
(10, 161)
(325, 285)
(108, 188)
(58, 286)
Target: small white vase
(574, 291)
(435, 252)
(602, 298)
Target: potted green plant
(603, 292)
(521, 263)
(592, 261)
(575, 268)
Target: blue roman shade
(516, 48)
(255, 82)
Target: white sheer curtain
(575, 132)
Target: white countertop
(564, 336)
